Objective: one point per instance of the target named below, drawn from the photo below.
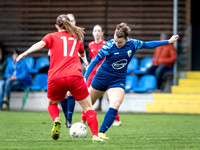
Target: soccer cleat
(97, 139)
(117, 123)
(68, 124)
(5, 104)
(102, 135)
(55, 133)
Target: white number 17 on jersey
(64, 38)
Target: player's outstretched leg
(107, 122)
(91, 117)
(54, 113)
(55, 133)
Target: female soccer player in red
(94, 48)
(65, 73)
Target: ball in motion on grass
(78, 130)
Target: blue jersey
(117, 59)
(113, 70)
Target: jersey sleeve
(137, 44)
(95, 61)
(48, 40)
(90, 52)
(105, 50)
(153, 44)
(81, 48)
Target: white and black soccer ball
(78, 130)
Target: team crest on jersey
(120, 64)
(129, 52)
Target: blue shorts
(102, 83)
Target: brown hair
(64, 23)
(122, 30)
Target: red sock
(117, 117)
(83, 116)
(91, 117)
(53, 111)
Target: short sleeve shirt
(64, 60)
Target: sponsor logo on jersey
(120, 64)
(116, 53)
(129, 52)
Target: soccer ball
(78, 130)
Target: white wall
(37, 101)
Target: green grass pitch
(31, 130)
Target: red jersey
(64, 60)
(93, 50)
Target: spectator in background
(163, 60)
(16, 78)
(3, 64)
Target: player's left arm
(94, 62)
(35, 47)
(84, 59)
(153, 44)
(103, 52)
(82, 54)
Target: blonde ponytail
(64, 23)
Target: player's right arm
(84, 59)
(103, 52)
(82, 54)
(94, 62)
(35, 47)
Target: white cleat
(117, 123)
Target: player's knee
(85, 109)
(93, 101)
(53, 102)
(115, 105)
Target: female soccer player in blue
(111, 75)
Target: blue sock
(70, 107)
(64, 107)
(108, 119)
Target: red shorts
(57, 88)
